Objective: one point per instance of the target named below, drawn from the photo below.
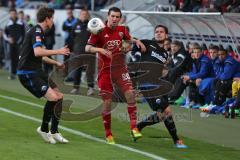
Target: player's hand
(236, 79)
(10, 40)
(185, 78)
(198, 81)
(141, 46)
(106, 53)
(126, 47)
(60, 65)
(64, 51)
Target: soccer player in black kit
(36, 81)
(155, 53)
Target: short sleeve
(37, 38)
(93, 39)
(126, 34)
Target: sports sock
(150, 120)
(170, 125)
(47, 115)
(132, 112)
(106, 116)
(57, 110)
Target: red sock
(132, 112)
(106, 116)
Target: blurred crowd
(56, 4)
(204, 77)
(206, 5)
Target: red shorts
(119, 78)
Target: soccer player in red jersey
(112, 69)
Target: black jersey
(27, 59)
(80, 36)
(154, 53)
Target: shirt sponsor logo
(113, 44)
(44, 88)
(159, 57)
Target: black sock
(47, 115)
(150, 120)
(56, 116)
(169, 123)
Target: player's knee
(54, 97)
(167, 112)
(130, 96)
(107, 104)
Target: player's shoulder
(122, 28)
(37, 30)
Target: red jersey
(110, 39)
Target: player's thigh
(105, 86)
(35, 84)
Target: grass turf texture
(19, 139)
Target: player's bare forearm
(139, 44)
(92, 49)
(41, 52)
(49, 60)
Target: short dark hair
(197, 46)
(177, 43)
(44, 13)
(114, 9)
(223, 50)
(21, 12)
(161, 26)
(12, 10)
(168, 39)
(215, 47)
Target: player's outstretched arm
(41, 52)
(92, 49)
(139, 44)
(53, 62)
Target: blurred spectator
(201, 68)
(205, 50)
(1, 48)
(234, 6)
(196, 5)
(29, 22)
(3, 3)
(178, 62)
(11, 4)
(82, 4)
(227, 67)
(14, 35)
(212, 8)
(67, 28)
(182, 5)
(80, 36)
(167, 45)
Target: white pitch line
(150, 155)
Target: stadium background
(210, 137)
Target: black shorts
(36, 83)
(159, 103)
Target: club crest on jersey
(120, 34)
(38, 39)
(44, 88)
(38, 30)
